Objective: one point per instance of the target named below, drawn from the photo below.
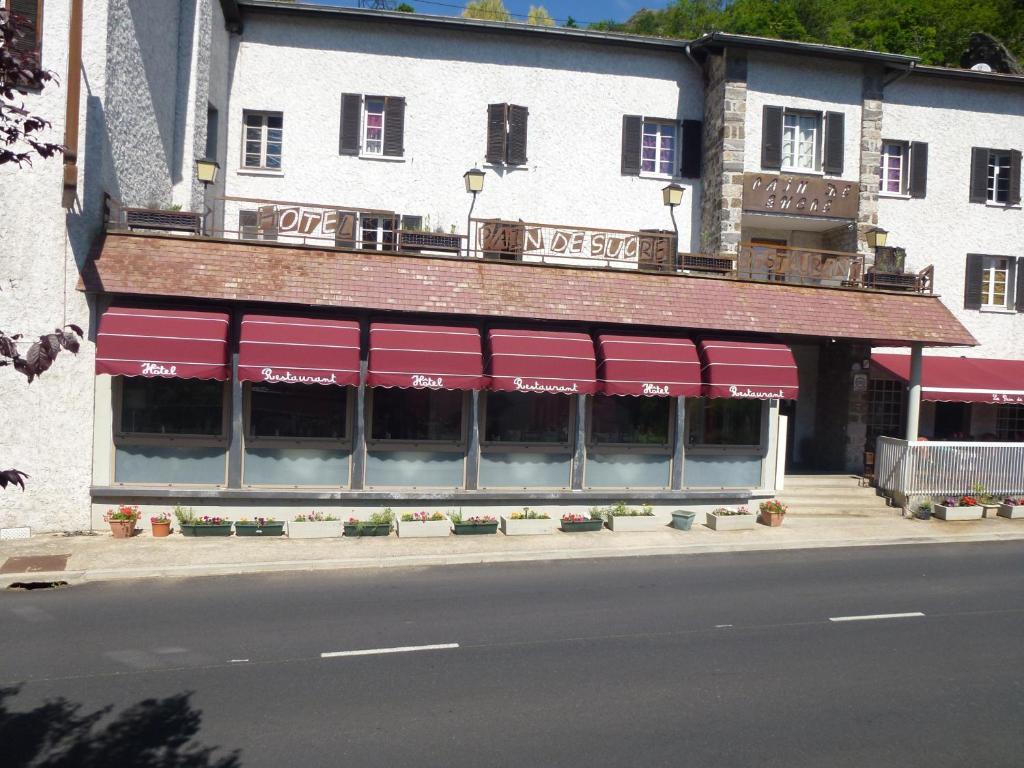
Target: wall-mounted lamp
(474, 179)
(672, 195)
(206, 170)
(876, 237)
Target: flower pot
(424, 529)
(223, 529)
(122, 529)
(316, 529)
(1011, 512)
(957, 513)
(731, 522)
(771, 519)
(527, 527)
(682, 520)
(367, 529)
(924, 514)
(161, 528)
(475, 529)
(254, 529)
(579, 526)
(635, 523)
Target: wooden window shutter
(771, 138)
(497, 133)
(835, 137)
(979, 174)
(972, 281)
(394, 126)
(1011, 282)
(693, 131)
(28, 23)
(1020, 284)
(517, 119)
(918, 186)
(632, 137)
(247, 225)
(1014, 177)
(351, 123)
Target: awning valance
(425, 357)
(748, 369)
(960, 379)
(541, 361)
(183, 344)
(647, 365)
(299, 350)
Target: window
(998, 187)
(995, 176)
(416, 414)
(995, 273)
(376, 233)
(263, 134)
(630, 420)
(212, 128)
(893, 169)
(298, 411)
(1010, 423)
(885, 410)
(373, 126)
(519, 417)
(250, 227)
(172, 407)
(723, 421)
(801, 140)
(658, 148)
(506, 134)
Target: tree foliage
(539, 15)
(486, 10)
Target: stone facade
(870, 155)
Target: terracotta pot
(772, 519)
(161, 529)
(122, 529)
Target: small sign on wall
(860, 382)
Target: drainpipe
(74, 86)
(914, 393)
(689, 55)
(900, 75)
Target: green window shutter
(497, 133)
(632, 136)
(835, 136)
(972, 281)
(394, 126)
(517, 120)
(918, 186)
(771, 138)
(1014, 177)
(979, 174)
(351, 123)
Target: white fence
(905, 469)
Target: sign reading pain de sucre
(800, 195)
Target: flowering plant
(529, 514)
(421, 517)
(950, 501)
(773, 507)
(123, 513)
(162, 517)
(214, 520)
(724, 512)
(259, 522)
(1013, 501)
(968, 501)
(482, 520)
(315, 517)
(572, 517)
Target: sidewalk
(102, 558)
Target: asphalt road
(706, 660)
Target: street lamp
(474, 179)
(876, 237)
(672, 195)
(206, 170)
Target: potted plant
(422, 525)
(924, 510)
(122, 521)
(529, 522)
(682, 519)
(314, 525)
(1012, 507)
(575, 523)
(260, 526)
(723, 519)
(623, 518)
(379, 524)
(190, 525)
(161, 524)
(963, 508)
(474, 526)
(772, 513)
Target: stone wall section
(870, 154)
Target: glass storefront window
(172, 407)
(416, 414)
(630, 420)
(301, 411)
(722, 421)
(519, 417)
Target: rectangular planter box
(475, 529)
(424, 529)
(583, 525)
(368, 529)
(320, 529)
(269, 529)
(1014, 513)
(958, 513)
(206, 530)
(636, 523)
(731, 522)
(533, 527)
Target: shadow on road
(153, 732)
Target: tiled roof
(242, 271)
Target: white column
(914, 393)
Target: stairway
(833, 496)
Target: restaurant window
(893, 168)
(630, 420)
(416, 415)
(172, 407)
(801, 141)
(263, 139)
(376, 232)
(519, 417)
(298, 411)
(723, 421)
(885, 409)
(658, 147)
(1010, 423)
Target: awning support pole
(914, 393)
(678, 444)
(237, 412)
(580, 453)
(358, 462)
(473, 444)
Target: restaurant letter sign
(510, 237)
(310, 222)
(800, 195)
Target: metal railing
(931, 468)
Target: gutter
(725, 39)
(899, 76)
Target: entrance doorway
(952, 421)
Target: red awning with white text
(959, 379)
(647, 366)
(299, 350)
(542, 361)
(425, 357)
(748, 369)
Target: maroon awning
(960, 379)
(299, 350)
(749, 369)
(542, 361)
(425, 357)
(647, 365)
(182, 344)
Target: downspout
(71, 109)
(900, 75)
(689, 55)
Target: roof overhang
(717, 41)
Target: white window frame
(660, 123)
(365, 127)
(884, 166)
(991, 268)
(263, 139)
(999, 167)
(789, 162)
(379, 230)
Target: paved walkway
(101, 557)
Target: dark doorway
(952, 421)
(788, 408)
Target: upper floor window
(994, 282)
(995, 176)
(263, 135)
(801, 132)
(995, 275)
(998, 184)
(372, 126)
(506, 134)
(660, 147)
(800, 141)
(893, 168)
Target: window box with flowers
(260, 526)
(161, 524)
(207, 525)
(1012, 508)
(621, 518)
(423, 525)
(379, 524)
(122, 521)
(963, 508)
(723, 519)
(474, 526)
(315, 525)
(575, 523)
(772, 513)
(529, 522)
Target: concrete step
(844, 497)
(822, 481)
